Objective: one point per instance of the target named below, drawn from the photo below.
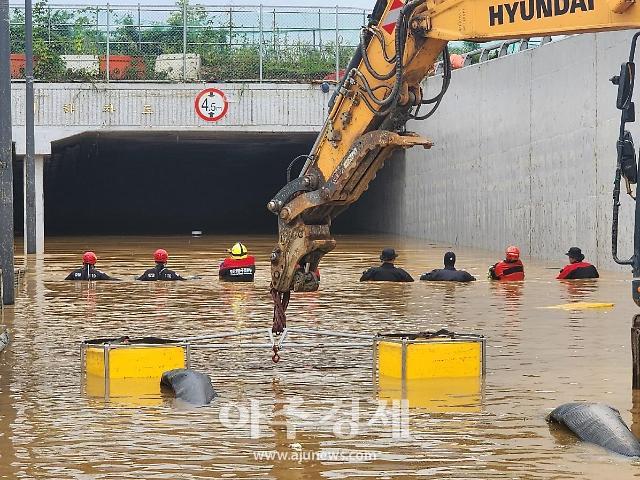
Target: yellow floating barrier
(436, 395)
(429, 355)
(128, 371)
(581, 305)
(123, 357)
(128, 392)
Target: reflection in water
(435, 395)
(563, 436)
(536, 359)
(511, 294)
(128, 392)
(236, 299)
(578, 290)
(635, 413)
(7, 409)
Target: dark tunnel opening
(167, 183)
(136, 185)
(18, 194)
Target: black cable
(380, 113)
(400, 30)
(446, 81)
(341, 85)
(378, 34)
(292, 164)
(618, 174)
(363, 47)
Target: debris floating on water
(582, 305)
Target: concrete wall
(63, 110)
(525, 154)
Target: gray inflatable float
(597, 423)
(192, 387)
(4, 340)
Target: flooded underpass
(167, 182)
(54, 426)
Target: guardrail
(493, 50)
(186, 42)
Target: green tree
(463, 47)
(126, 38)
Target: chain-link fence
(186, 42)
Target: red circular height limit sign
(211, 104)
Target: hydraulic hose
(380, 37)
(400, 35)
(635, 259)
(292, 164)
(364, 41)
(374, 18)
(446, 81)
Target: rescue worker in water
(387, 272)
(88, 270)
(577, 267)
(449, 272)
(239, 267)
(160, 271)
(510, 269)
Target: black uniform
(448, 274)
(578, 270)
(159, 272)
(88, 273)
(386, 272)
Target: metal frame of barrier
(193, 343)
(108, 347)
(279, 342)
(501, 49)
(216, 341)
(405, 342)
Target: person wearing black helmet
(387, 272)
(577, 267)
(160, 271)
(88, 270)
(449, 272)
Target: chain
(280, 303)
(275, 357)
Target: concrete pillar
(34, 205)
(39, 194)
(29, 182)
(6, 166)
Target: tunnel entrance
(166, 183)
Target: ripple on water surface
(52, 427)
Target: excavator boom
(381, 91)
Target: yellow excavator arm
(381, 91)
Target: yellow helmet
(238, 250)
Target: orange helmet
(512, 253)
(89, 258)
(160, 256)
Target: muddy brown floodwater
(277, 421)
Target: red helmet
(513, 253)
(160, 256)
(89, 258)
